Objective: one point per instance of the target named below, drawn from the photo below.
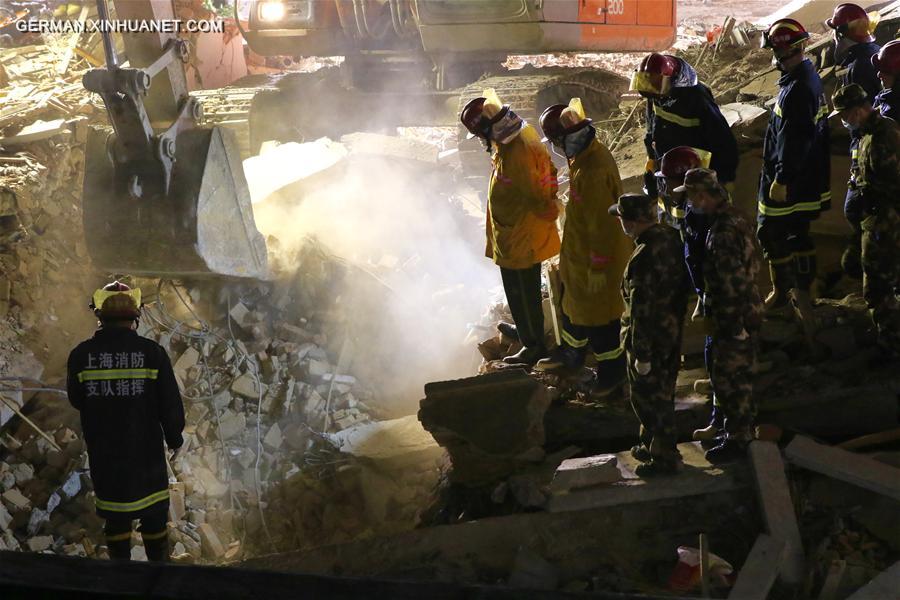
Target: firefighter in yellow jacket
(521, 214)
(594, 249)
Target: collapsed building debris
(293, 444)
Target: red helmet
(554, 127)
(116, 300)
(852, 21)
(654, 75)
(887, 61)
(678, 161)
(784, 35)
(474, 119)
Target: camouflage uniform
(733, 303)
(655, 289)
(878, 179)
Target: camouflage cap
(847, 97)
(699, 179)
(634, 207)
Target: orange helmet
(654, 75)
(785, 36)
(851, 21)
(887, 61)
(116, 300)
(678, 161)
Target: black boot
(659, 465)
(526, 356)
(641, 454)
(563, 357)
(508, 330)
(730, 449)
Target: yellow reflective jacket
(593, 239)
(521, 214)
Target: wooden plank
(63, 65)
(884, 586)
(760, 570)
(873, 439)
(846, 466)
(834, 580)
(778, 508)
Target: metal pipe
(109, 49)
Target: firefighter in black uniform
(854, 47)
(681, 111)
(125, 389)
(887, 63)
(794, 184)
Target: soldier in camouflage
(733, 307)
(655, 289)
(878, 180)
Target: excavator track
(230, 107)
(529, 91)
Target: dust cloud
(411, 242)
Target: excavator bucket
(203, 225)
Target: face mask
(841, 49)
(849, 126)
(577, 142)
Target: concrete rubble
(291, 441)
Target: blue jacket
(689, 116)
(888, 103)
(795, 150)
(857, 68)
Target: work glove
(596, 281)
(642, 368)
(778, 192)
(729, 187)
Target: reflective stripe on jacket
(593, 240)
(125, 389)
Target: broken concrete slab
(248, 386)
(760, 570)
(231, 424)
(273, 438)
(846, 466)
(209, 540)
(699, 477)
(290, 166)
(40, 543)
(187, 360)
(586, 472)
(15, 500)
(510, 406)
(39, 130)
(885, 585)
(778, 508)
(5, 518)
(393, 444)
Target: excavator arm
(162, 195)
